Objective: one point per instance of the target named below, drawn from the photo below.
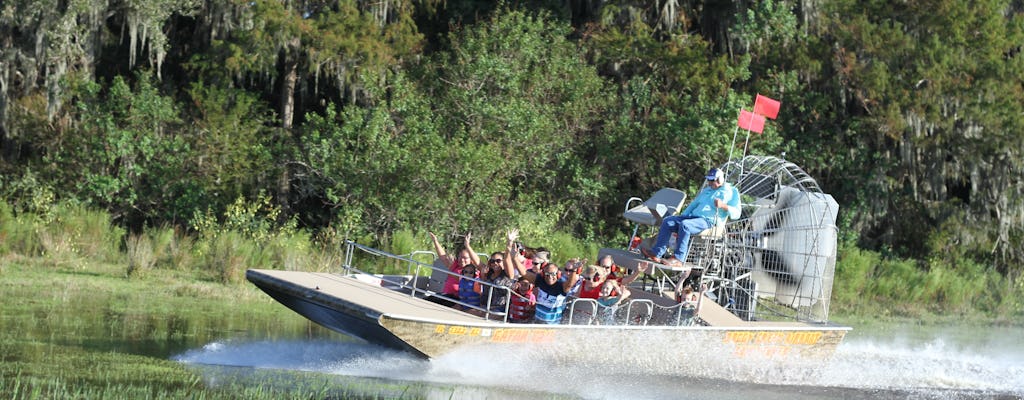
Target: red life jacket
(522, 308)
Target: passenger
(552, 287)
(611, 295)
(577, 265)
(466, 257)
(715, 203)
(689, 301)
(535, 258)
(688, 296)
(524, 302)
(616, 272)
(496, 275)
(469, 288)
(593, 277)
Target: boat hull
(436, 338)
(408, 323)
(338, 316)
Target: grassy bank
(220, 248)
(83, 330)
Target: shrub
(141, 255)
(854, 270)
(18, 233)
(76, 231)
(287, 251)
(228, 255)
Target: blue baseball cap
(714, 174)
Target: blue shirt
(704, 204)
(550, 301)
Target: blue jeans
(683, 226)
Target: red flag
(766, 106)
(751, 121)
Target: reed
(141, 257)
(19, 232)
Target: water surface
(882, 361)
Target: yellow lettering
(439, 329)
(770, 337)
(739, 337)
(744, 350)
(457, 330)
(807, 338)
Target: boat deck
(366, 294)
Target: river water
(875, 361)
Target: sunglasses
(495, 260)
(550, 274)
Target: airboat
(763, 284)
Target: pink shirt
(451, 285)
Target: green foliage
(926, 89)
(77, 231)
(159, 247)
(226, 256)
(123, 151)
(231, 153)
(290, 250)
(855, 272)
(462, 117)
(250, 234)
(499, 125)
(66, 233)
(513, 116)
(404, 242)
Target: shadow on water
(863, 368)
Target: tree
(123, 152)
(933, 88)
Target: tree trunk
(289, 82)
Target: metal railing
(637, 311)
(411, 284)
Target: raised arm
(439, 249)
(512, 263)
(472, 254)
(640, 269)
(623, 294)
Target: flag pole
(732, 146)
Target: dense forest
(367, 117)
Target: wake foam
(861, 368)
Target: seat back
(664, 202)
(438, 276)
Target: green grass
(84, 330)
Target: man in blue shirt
(552, 285)
(713, 205)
